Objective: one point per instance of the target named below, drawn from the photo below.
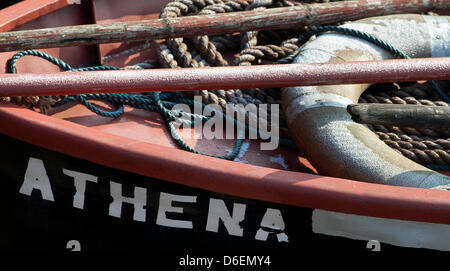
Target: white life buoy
(317, 115)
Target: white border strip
(320, 99)
(439, 28)
(391, 231)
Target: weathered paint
(402, 115)
(390, 231)
(277, 18)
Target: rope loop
(98, 111)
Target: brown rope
(425, 146)
(209, 52)
(251, 53)
(226, 43)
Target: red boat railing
(358, 72)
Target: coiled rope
(149, 101)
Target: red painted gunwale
(248, 181)
(25, 11)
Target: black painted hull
(43, 220)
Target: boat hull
(45, 207)
(85, 186)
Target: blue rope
(13, 61)
(153, 101)
(83, 99)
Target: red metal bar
(276, 18)
(129, 81)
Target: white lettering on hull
(139, 201)
(36, 178)
(272, 220)
(218, 211)
(165, 206)
(80, 180)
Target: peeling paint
(279, 159)
(244, 148)
(190, 26)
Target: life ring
(317, 115)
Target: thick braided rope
(207, 49)
(420, 145)
(181, 57)
(176, 54)
(421, 152)
(404, 98)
